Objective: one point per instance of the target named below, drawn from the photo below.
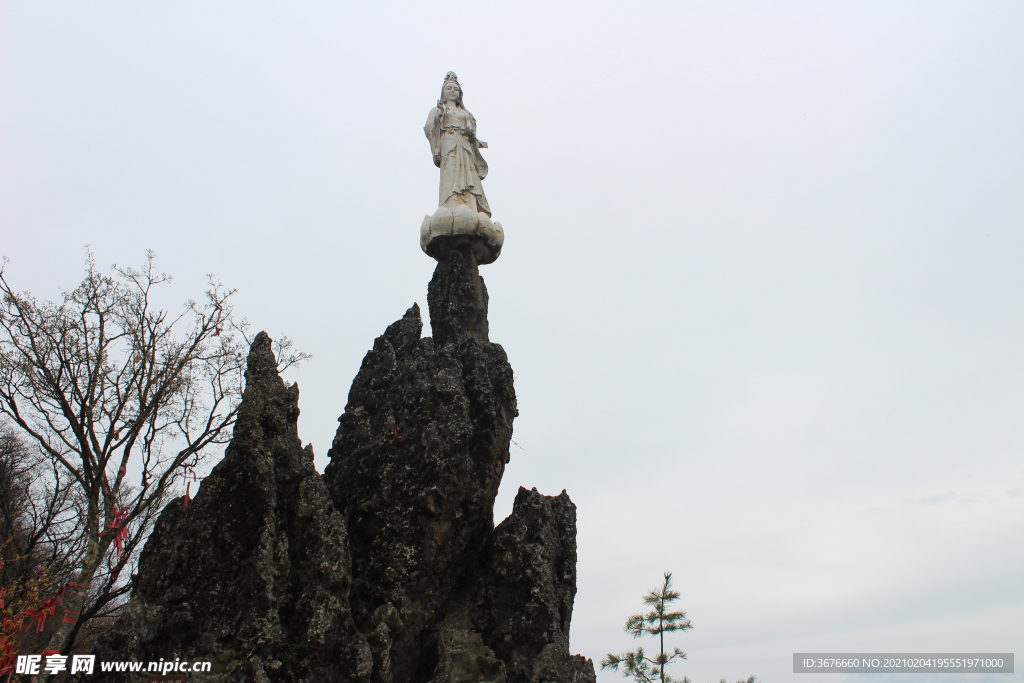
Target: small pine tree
(655, 623)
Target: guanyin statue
(463, 216)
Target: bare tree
(40, 543)
(39, 515)
(124, 400)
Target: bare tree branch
(122, 399)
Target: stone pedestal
(449, 228)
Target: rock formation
(388, 568)
(254, 573)
(511, 622)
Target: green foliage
(657, 622)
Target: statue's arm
(433, 133)
(471, 131)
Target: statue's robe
(456, 152)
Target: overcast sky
(762, 285)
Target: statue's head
(451, 91)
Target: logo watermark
(86, 664)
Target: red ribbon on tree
(120, 530)
(189, 472)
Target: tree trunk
(74, 601)
(661, 629)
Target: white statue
(463, 215)
(452, 134)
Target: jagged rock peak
(457, 299)
(254, 573)
(388, 569)
(512, 622)
(415, 467)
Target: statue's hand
(483, 145)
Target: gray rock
(517, 607)
(388, 569)
(417, 461)
(457, 299)
(254, 573)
